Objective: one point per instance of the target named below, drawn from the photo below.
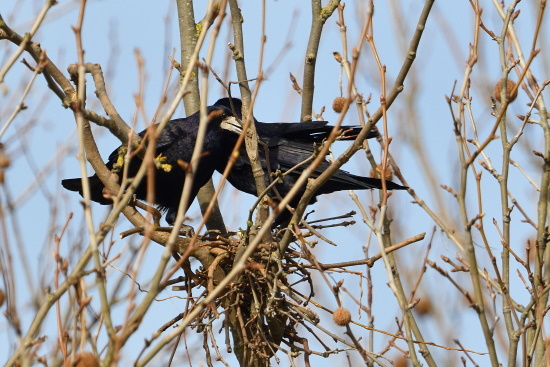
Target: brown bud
(337, 56)
(64, 265)
(510, 85)
(338, 104)
(341, 316)
(215, 9)
(85, 359)
(2, 297)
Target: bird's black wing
(170, 179)
(306, 132)
(117, 156)
(171, 133)
(289, 154)
(282, 155)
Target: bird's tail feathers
(72, 184)
(348, 181)
(96, 188)
(377, 183)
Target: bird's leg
(187, 231)
(213, 234)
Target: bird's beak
(231, 124)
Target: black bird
(284, 145)
(176, 142)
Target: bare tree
(247, 293)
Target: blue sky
(115, 30)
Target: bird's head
(232, 104)
(228, 113)
(222, 118)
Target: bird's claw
(187, 231)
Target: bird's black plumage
(176, 142)
(283, 146)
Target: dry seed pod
(387, 173)
(424, 306)
(401, 362)
(338, 104)
(510, 86)
(4, 160)
(341, 316)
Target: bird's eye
(224, 115)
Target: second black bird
(285, 145)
